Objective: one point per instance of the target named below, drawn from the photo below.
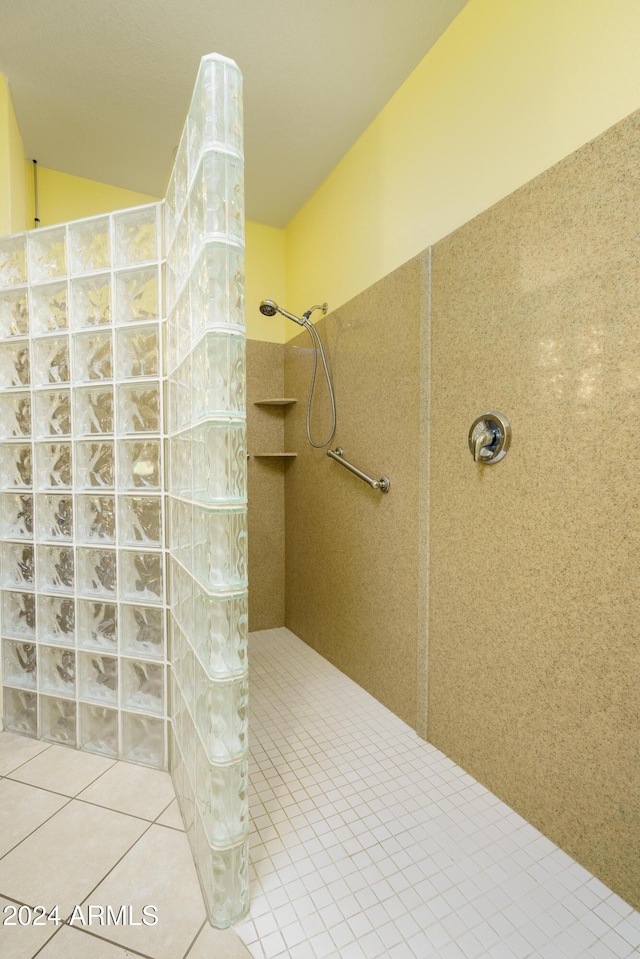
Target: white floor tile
(16, 750)
(22, 809)
(64, 859)
(20, 941)
(134, 790)
(63, 770)
(158, 871)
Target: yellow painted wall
(12, 179)
(265, 279)
(63, 197)
(508, 90)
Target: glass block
(137, 295)
(140, 521)
(18, 566)
(138, 408)
(216, 201)
(54, 517)
(138, 351)
(136, 236)
(139, 464)
(99, 730)
(58, 719)
(224, 875)
(96, 571)
(93, 410)
(215, 115)
(141, 576)
(143, 740)
(56, 619)
(221, 718)
(18, 614)
(217, 290)
(180, 464)
(15, 415)
(16, 516)
(142, 631)
(52, 413)
(57, 670)
(94, 465)
(91, 301)
(55, 568)
(92, 357)
(181, 409)
(53, 466)
(20, 711)
(95, 518)
(49, 307)
(97, 625)
(219, 463)
(51, 360)
(47, 253)
(13, 260)
(98, 678)
(181, 538)
(222, 797)
(15, 466)
(181, 322)
(14, 363)
(19, 666)
(182, 596)
(14, 312)
(220, 547)
(142, 686)
(89, 245)
(178, 256)
(183, 663)
(219, 372)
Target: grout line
(48, 746)
(126, 950)
(39, 826)
(117, 863)
(195, 938)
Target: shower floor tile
(367, 841)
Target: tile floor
(78, 829)
(366, 842)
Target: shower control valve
(490, 438)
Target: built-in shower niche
(110, 353)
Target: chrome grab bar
(383, 484)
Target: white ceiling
(101, 87)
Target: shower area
(123, 476)
(444, 707)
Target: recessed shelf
(271, 455)
(282, 401)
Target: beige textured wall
(534, 642)
(352, 554)
(265, 434)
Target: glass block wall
(95, 388)
(82, 600)
(204, 237)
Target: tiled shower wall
(84, 427)
(82, 564)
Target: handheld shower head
(268, 308)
